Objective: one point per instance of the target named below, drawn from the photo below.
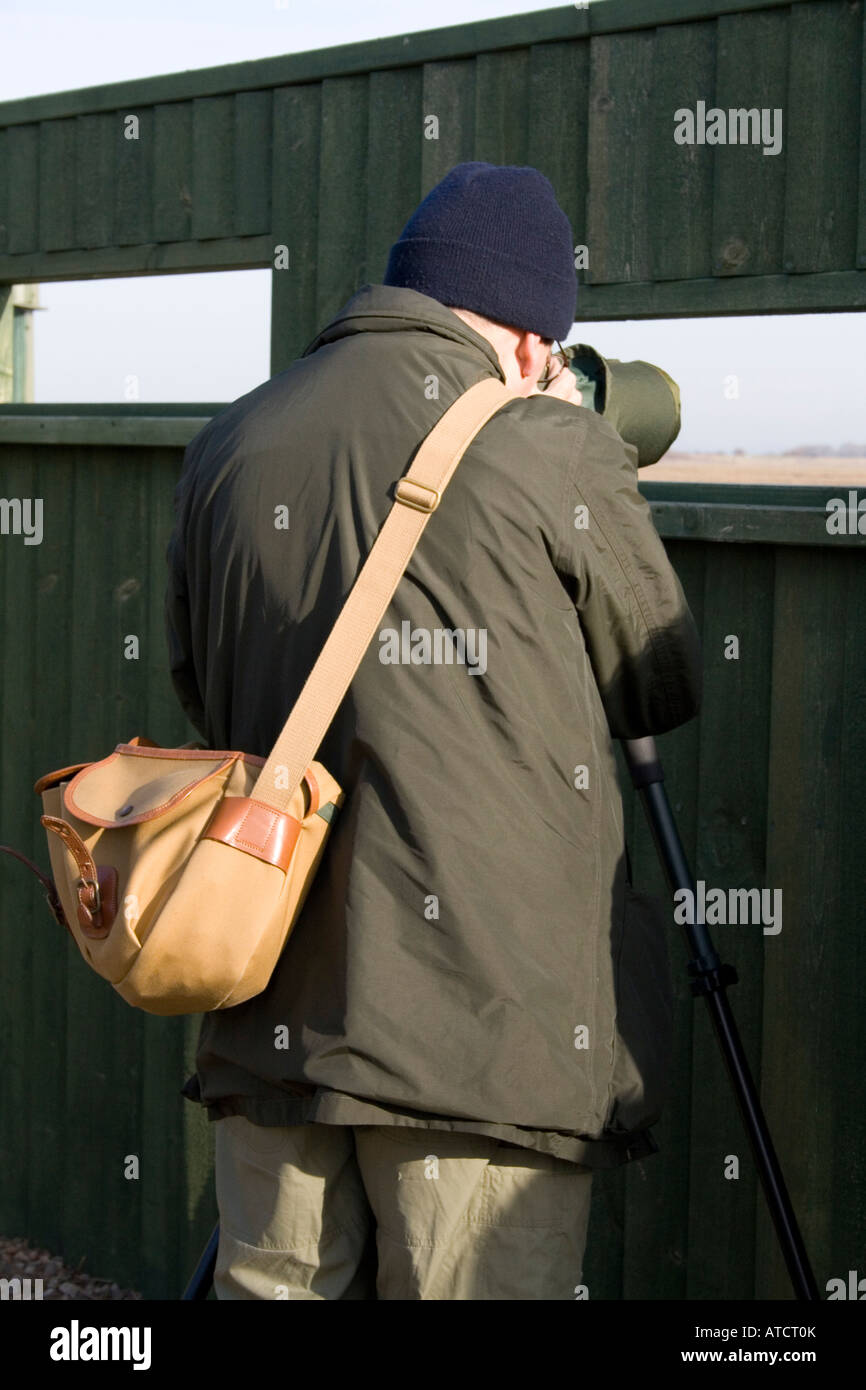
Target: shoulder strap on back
(417, 496)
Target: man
(473, 1009)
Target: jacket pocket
(643, 1032)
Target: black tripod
(710, 978)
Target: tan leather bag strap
(417, 496)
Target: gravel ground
(59, 1282)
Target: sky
(758, 384)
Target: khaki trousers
(391, 1212)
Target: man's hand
(564, 386)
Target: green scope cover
(640, 400)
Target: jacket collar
(384, 308)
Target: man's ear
(531, 354)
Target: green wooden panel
(556, 133)
(734, 742)
(54, 636)
(89, 429)
(134, 168)
(395, 109)
(814, 1037)
(666, 222)
(158, 1113)
(795, 520)
(501, 117)
(172, 171)
(749, 199)
(157, 258)
(295, 183)
(57, 183)
(95, 150)
(620, 124)
(102, 1072)
(251, 210)
(823, 113)
(19, 677)
(735, 294)
(605, 1236)
(122, 410)
(680, 209)
(213, 166)
(844, 1187)
(449, 93)
(430, 45)
(343, 195)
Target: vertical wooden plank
(251, 209)
(295, 220)
(449, 94)
(95, 1061)
(808, 1082)
(158, 1117)
(823, 114)
(396, 125)
(52, 947)
(22, 143)
(657, 1192)
(19, 901)
(603, 1257)
(213, 131)
(94, 184)
(844, 945)
(681, 206)
(749, 189)
(556, 126)
(57, 180)
(501, 106)
(133, 193)
(733, 752)
(342, 242)
(172, 171)
(620, 124)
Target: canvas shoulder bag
(180, 872)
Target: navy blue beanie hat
(492, 238)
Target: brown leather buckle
(97, 902)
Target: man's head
(491, 242)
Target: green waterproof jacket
(471, 955)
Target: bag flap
(135, 784)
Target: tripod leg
(711, 977)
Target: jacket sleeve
(640, 636)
